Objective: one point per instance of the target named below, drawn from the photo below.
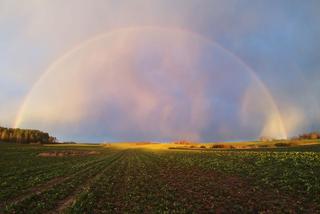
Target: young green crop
(163, 181)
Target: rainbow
(265, 90)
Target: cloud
(143, 84)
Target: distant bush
(69, 142)
(282, 144)
(263, 145)
(218, 146)
(203, 147)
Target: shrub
(263, 146)
(282, 144)
(203, 147)
(218, 146)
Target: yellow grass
(165, 146)
(227, 145)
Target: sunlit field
(151, 178)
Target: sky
(151, 70)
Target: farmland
(111, 179)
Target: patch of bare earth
(68, 153)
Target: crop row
(130, 186)
(50, 198)
(292, 172)
(13, 185)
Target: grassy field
(129, 178)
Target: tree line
(25, 136)
(310, 136)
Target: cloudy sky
(211, 70)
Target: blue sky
(278, 39)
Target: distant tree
(19, 137)
(12, 137)
(310, 136)
(5, 135)
(314, 135)
(52, 140)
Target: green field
(140, 180)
